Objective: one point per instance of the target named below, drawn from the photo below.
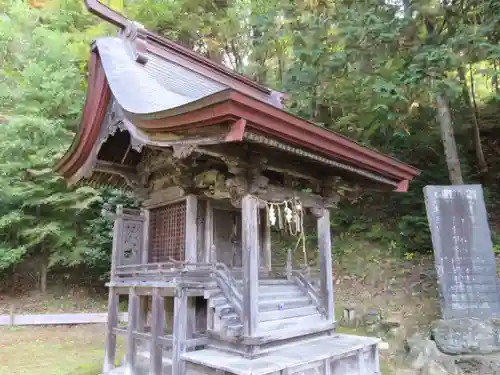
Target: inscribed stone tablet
(464, 257)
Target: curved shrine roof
(166, 93)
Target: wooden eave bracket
(237, 131)
(402, 186)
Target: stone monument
(463, 250)
(467, 276)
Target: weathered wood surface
(464, 257)
(191, 240)
(57, 319)
(131, 346)
(169, 195)
(266, 244)
(179, 331)
(294, 358)
(112, 322)
(280, 193)
(311, 292)
(326, 273)
(289, 264)
(250, 254)
(117, 233)
(158, 328)
(209, 232)
(145, 236)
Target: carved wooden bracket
(128, 173)
(330, 190)
(183, 151)
(236, 187)
(170, 168)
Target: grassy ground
(64, 350)
(401, 290)
(75, 350)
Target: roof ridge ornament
(135, 36)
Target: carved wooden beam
(237, 160)
(128, 173)
(125, 171)
(279, 193)
(167, 167)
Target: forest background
(418, 79)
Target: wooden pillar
(117, 233)
(191, 234)
(179, 331)
(361, 362)
(289, 264)
(157, 330)
(250, 253)
(376, 359)
(191, 317)
(143, 313)
(326, 272)
(266, 243)
(112, 323)
(209, 232)
(169, 314)
(131, 347)
(145, 236)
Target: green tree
(42, 92)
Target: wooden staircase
(286, 310)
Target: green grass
(75, 350)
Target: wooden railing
(230, 288)
(165, 271)
(312, 292)
(166, 341)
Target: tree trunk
(495, 78)
(470, 101)
(448, 138)
(44, 270)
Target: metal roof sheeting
(180, 80)
(136, 90)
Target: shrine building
(218, 164)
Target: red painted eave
(98, 96)
(247, 114)
(270, 121)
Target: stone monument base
(467, 336)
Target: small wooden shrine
(216, 162)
